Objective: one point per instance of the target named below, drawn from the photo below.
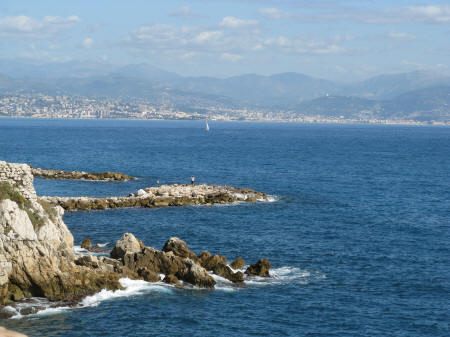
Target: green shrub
(7, 192)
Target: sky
(337, 40)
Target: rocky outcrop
(163, 196)
(127, 243)
(260, 268)
(239, 263)
(179, 248)
(36, 247)
(37, 257)
(100, 176)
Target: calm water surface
(358, 237)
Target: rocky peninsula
(162, 196)
(80, 175)
(37, 258)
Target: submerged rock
(86, 243)
(226, 272)
(260, 268)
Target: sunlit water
(358, 235)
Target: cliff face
(36, 247)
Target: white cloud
(26, 27)
(87, 42)
(186, 12)
(274, 13)
(230, 57)
(191, 42)
(401, 36)
(232, 22)
(425, 14)
(303, 46)
(431, 14)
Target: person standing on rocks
(192, 180)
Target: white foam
(102, 244)
(270, 198)
(132, 287)
(81, 251)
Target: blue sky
(340, 40)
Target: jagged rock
(210, 262)
(195, 274)
(148, 275)
(179, 248)
(87, 261)
(60, 174)
(86, 243)
(239, 263)
(36, 247)
(154, 260)
(260, 268)
(226, 272)
(171, 279)
(162, 196)
(127, 243)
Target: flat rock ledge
(162, 196)
(80, 175)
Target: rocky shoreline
(80, 175)
(37, 256)
(162, 196)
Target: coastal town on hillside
(45, 106)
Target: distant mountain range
(416, 95)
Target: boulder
(210, 262)
(87, 261)
(148, 275)
(171, 279)
(226, 272)
(260, 268)
(154, 260)
(195, 274)
(86, 244)
(179, 248)
(127, 243)
(239, 263)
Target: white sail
(207, 126)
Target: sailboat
(207, 126)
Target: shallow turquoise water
(358, 237)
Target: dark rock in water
(195, 274)
(239, 263)
(260, 268)
(127, 243)
(148, 275)
(171, 279)
(210, 262)
(226, 272)
(86, 244)
(154, 260)
(5, 314)
(60, 174)
(179, 248)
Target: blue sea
(357, 233)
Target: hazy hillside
(416, 95)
